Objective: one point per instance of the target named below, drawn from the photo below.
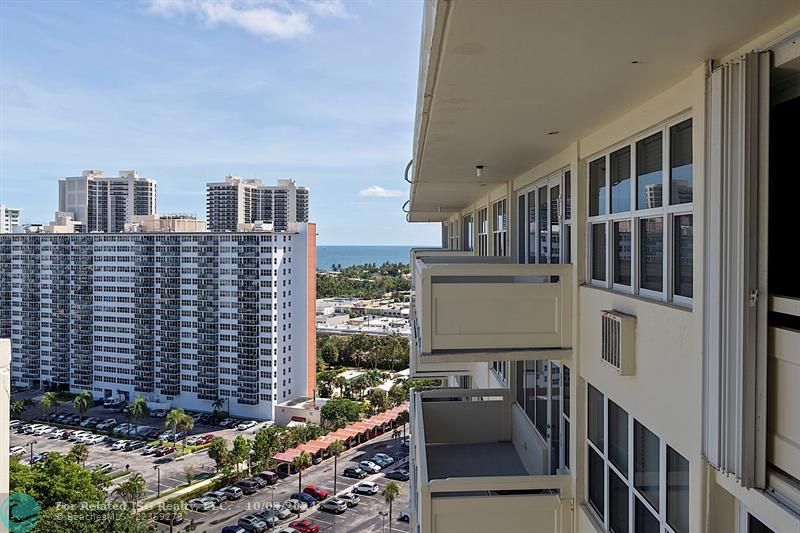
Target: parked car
(317, 492)
(203, 419)
(216, 496)
(106, 424)
(44, 430)
(163, 451)
(150, 448)
(17, 451)
(334, 505)
(39, 457)
(14, 423)
(270, 477)
(380, 462)
(383, 457)
(66, 434)
(350, 498)
(258, 481)
(406, 441)
(134, 445)
(95, 439)
(244, 426)
(404, 517)
(295, 506)
(305, 526)
(252, 523)
(90, 422)
(248, 487)
(200, 504)
(370, 467)
(227, 422)
(280, 512)
(285, 529)
(73, 420)
(56, 434)
(270, 519)
(153, 433)
(234, 493)
(102, 467)
(367, 487)
(303, 497)
(399, 475)
(233, 529)
(76, 435)
(199, 440)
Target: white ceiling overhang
(496, 78)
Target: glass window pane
(543, 253)
(566, 443)
(566, 390)
(680, 163)
(651, 253)
(596, 482)
(555, 416)
(677, 491)
(622, 252)
(567, 244)
(649, 172)
(532, 227)
(595, 417)
(645, 462)
(620, 176)
(597, 187)
(521, 223)
(754, 525)
(683, 238)
(467, 228)
(599, 252)
(643, 520)
(567, 195)
(618, 437)
(617, 504)
(555, 233)
(541, 398)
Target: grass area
(118, 474)
(180, 449)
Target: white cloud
(379, 192)
(265, 18)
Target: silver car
(334, 505)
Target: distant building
(160, 223)
(9, 218)
(238, 201)
(106, 204)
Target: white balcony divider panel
(783, 423)
(735, 274)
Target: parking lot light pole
(272, 506)
(30, 458)
(383, 520)
(158, 483)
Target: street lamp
(384, 514)
(157, 468)
(30, 458)
(272, 506)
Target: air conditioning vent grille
(617, 348)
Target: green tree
(301, 462)
(18, 407)
(218, 452)
(266, 443)
(390, 493)
(83, 402)
(378, 400)
(217, 406)
(240, 452)
(174, 421)
(79, 453)
(49, 402)
(397, 394)
(138, 408)
(57, 479)
(186, 424)
(115, 517)
(131, 490)
(336, 448)
(338, 412)
(189, 471)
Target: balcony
(473, 466)
(471, 309)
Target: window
(595, 417)
(543, 241)
(677, 491)
(467, 228)
(618, 437)
(543, 228)
(643, 519)
(499, 227)
(646, 463)
(483, 232)
(596, 482)
(640, 239)
(617, 504)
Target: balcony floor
(480, 459)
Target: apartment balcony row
(477, 466)
(469, 309)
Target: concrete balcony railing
(475, 467)
(472, 309)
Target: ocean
(358, 255)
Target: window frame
(467, 232)
(667, 212)
(499, 235)
(482, 221)
(557, 179)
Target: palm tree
(378, 400)
(217, 405)
(83, 402)
(138, 408)
(174, 420)
(18, 407)
(49, 402)
(390, 493)
(79, 452)
(336, 448)
(301, 462)
(132, 490)
(186, 425)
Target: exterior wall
(180, 318)
(9, 219)
(5, 406)
(245, 201)
(311, 320)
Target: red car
(205, 439)
(318, 493)
(305, 526)
(164, 450)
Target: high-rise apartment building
(9, 218)
(622, 345)
(180, 318)
(238, 201)
(106, 204)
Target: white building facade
(237, 201)
(106, 204)
(613, 307)
(179, 318)
(9, 218)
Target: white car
(44, 430)
(244, 426)
(57, 434)
(78, 435)
(295, 506)
(103, 467)
(95, 439)
(286, 529)
(17, 451)
(150, 448)
(383, 457)
(119, 445)
(367, 487)
(279, 511)
(201, 504)
(370, 467)
(406, 441)
(108, 423)
(14, 423)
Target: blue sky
(187, 91)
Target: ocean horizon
(349, 255)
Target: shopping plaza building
(182, 319)
(613, 308)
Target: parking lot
(364, 517)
